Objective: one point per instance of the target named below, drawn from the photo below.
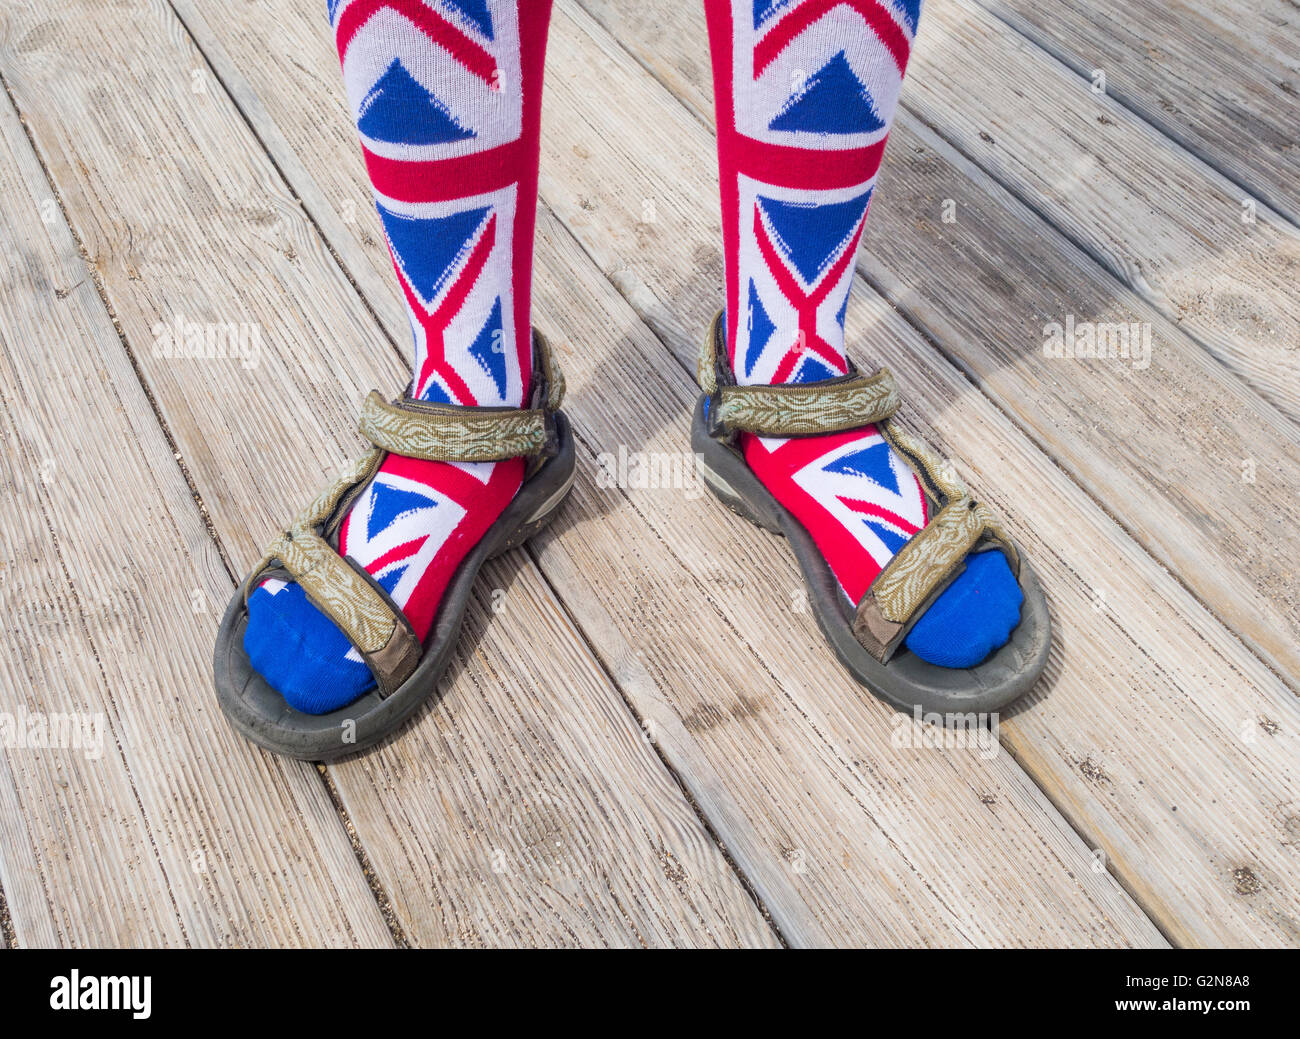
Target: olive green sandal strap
(451, 433)
(446, 433)
(924, 567)
(354, 603)
(920, 572)
(345, 594)
(931, 560)
(804, 409)
(338, 587)
(808, 409)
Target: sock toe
(300, 652)
(974, 616)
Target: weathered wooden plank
(164, 830)
(1173, 230)
(839, 849)
(1197, 467)
(531, 817)
(1113, 703)
(890, 841)
(1222, 79)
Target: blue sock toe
(974, 616)
(300, 652)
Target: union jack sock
(805, 93)
(446, 95)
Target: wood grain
(1175, 232)
(520, 809)
(166, 831)
(1221, 78)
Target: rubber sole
(261, 714)
(906, 681)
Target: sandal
(406, 672)
(868, 639)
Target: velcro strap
(803, 409)
(920, 571)
(446, 433)
(383, 637)
(547, 367)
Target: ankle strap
(456, 433)
(798, 409)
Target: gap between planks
(643, 723)
(206, 915)
(714, 902)
(373, 882)
(1184, 137)
(1094, 171)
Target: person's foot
(805, 95)
(447, 103)
(862, 503)
(410, 530)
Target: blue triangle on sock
(400, 111)
(894, 541)
(760, 329)
(764, 9)
(873, 462)
(389, 580)
(435, 393)
(391, 502)
(810, 235)
(812, 370)
(428, 247)
(489, 348)
(333, 6)
(834, 101)
(477, 14)
(911, 12)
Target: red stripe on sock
(851, 564)
(789, 25)
(476, 60)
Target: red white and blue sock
(446, 95)
(806, 91)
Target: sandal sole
(260, 713)
(906, 681)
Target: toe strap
(347, 595)
(349, 598)
(921, 570)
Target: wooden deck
(643, 739)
